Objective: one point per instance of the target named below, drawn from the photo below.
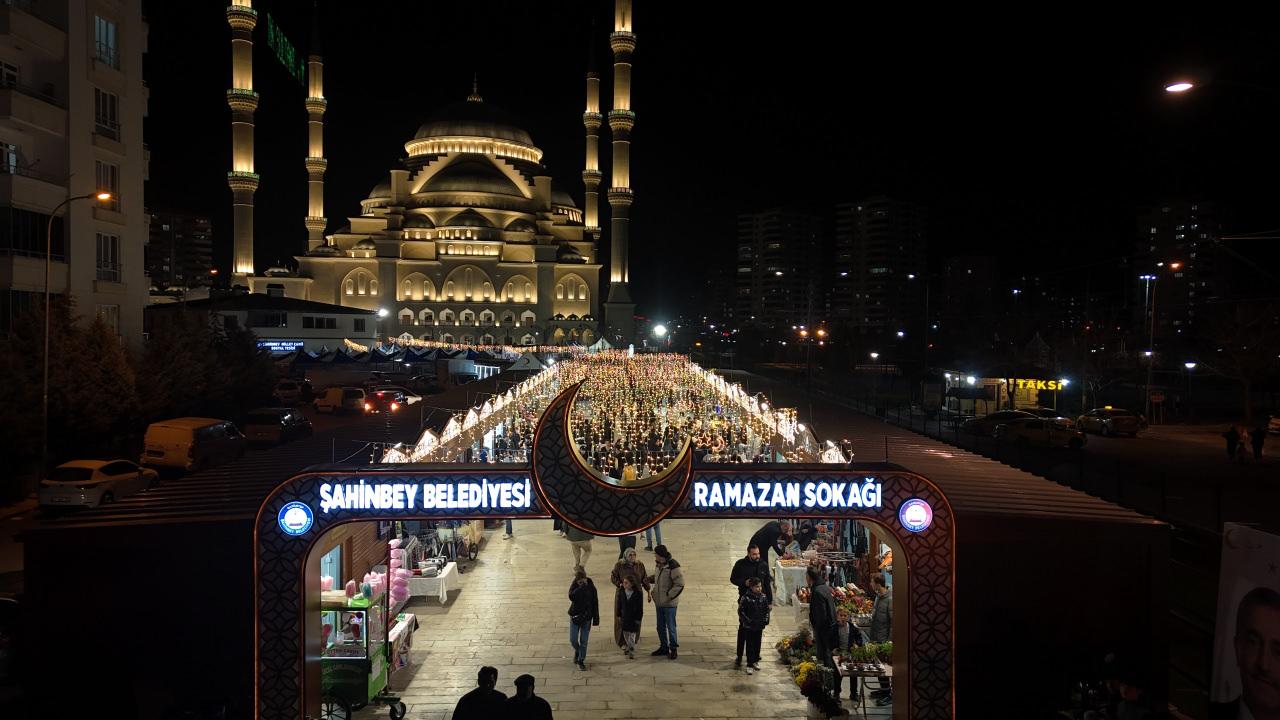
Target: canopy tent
(599, 345)
(528, 361)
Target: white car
(89, 483)
(410, 397)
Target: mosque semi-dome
(469, 218)
(418, 220)
(472, 174)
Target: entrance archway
(383, 493)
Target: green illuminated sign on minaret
(285, 52)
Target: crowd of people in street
(636, 588)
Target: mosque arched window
(488, 290)
(467, 317)
(350, 286)
(559, 291)
(528, 292)
(486, 317)
(426, 317)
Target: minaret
(619, 310)
(591, 175)
(244, 102)
(315, 162)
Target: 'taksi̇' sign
(788, 495)
(478, 494)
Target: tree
(102, 396)
(1243, 340)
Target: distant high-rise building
(1183, 233)
(968, 287)
(179, 250)
(777, 273)
(71, 85)
(879, 271)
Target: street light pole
(48, 264)
(1151, 345)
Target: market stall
(425, 583)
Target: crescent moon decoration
(581, 496)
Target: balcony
(24, 270)
(106, 55)
(23, 20)
(31, 188)
(34, 107)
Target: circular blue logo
(295, 518)
(915, 515)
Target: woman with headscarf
(630, 567)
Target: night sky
(1030, 138)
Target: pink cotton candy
(326, 582)
(351, 588)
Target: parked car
(1273, 425)
(425, 384)
(1111, 421)
(271, 426)
(191, 443)
(340, 400)
(986, 424)
(287, 392)
(1050, 414)
(90, 483)
(1041, 432)
(410, 397)
(387, 401)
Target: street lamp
(875, 356)
(659, 330)
(100, 196)
(1189, 365)
(1179, 86)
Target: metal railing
(44, 93)
(38, 254)
(30, 8)
(28, 172)
(109, 272)
(108, 54)
(107, 128)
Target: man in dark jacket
(584, 612)
(881, 630)
(753, 617)
(751, 566)
(773, 535)
(822, 619)
(524, 705)
(484, 702)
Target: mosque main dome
(474, 119)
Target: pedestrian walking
(584, 613)
(484, 702)
(753, 617)
(509, 533)
(632, 616)
(524, 705)
(1242, 447)
(751, 567)
(667, 585)
(650, 534)
(1257, 439)
(628, 567)
(1232, 437)
(580, 540)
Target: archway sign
(298, 512)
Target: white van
(191, 443)
(340, 399)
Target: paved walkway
(511, 613)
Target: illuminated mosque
(468, 240)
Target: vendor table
(439, 586)
(861, 677)
(789, 578)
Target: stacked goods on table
(867, 659)
(855, 601)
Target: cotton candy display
(326, 582)
(351, 588)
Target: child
(847, 636)
(632, 614)
(753, 616)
